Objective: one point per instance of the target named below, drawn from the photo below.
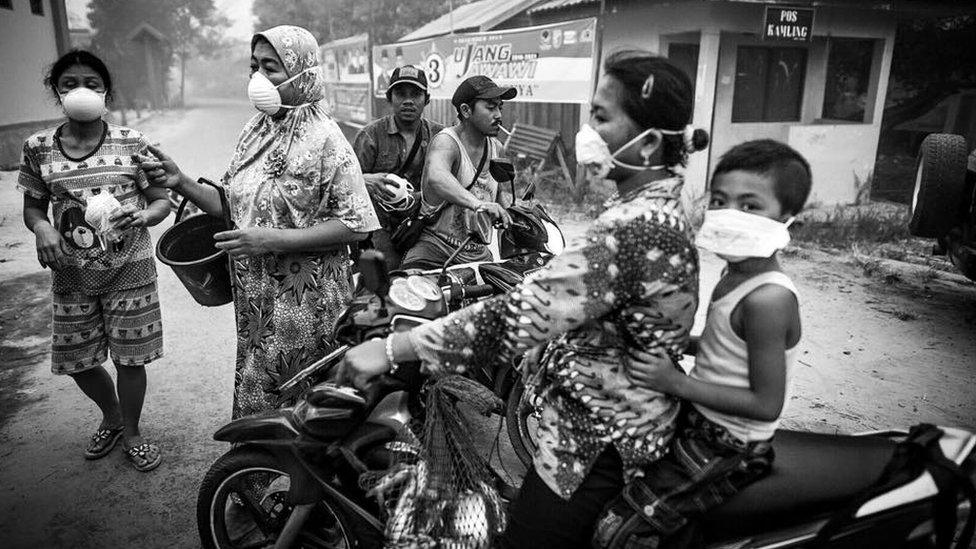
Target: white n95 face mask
(594, 153)
(264, 95)
(83, 104)
(735, 235)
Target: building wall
(24, 103)
(841, 154)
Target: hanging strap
(432, 218)
(402, 171)
(918, 453)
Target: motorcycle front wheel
(243, 504)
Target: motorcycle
(891, 488)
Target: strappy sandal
(139, 456)
(102, 442)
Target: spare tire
(940, 183)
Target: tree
(186, 24)
(385, 20)
(933, 59)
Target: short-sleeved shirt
(47, 173)
(381, 149)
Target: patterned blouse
(630, 282)
(47, 173)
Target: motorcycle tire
(938, 201)
(327, 527)
(521, 422)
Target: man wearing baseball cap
(457, 184)
(396, 144)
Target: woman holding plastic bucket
(98, 248)
(297, 196)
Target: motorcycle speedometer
(425, 288)
(402, 296)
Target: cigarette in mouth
(502, 128)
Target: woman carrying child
(104, 282)
(735, 394)
(631, 282)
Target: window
(7, 4)
(848, 74)
(768, 84)
(37, 7)
(685, 57)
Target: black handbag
(408, 231)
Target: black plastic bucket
(188, 247)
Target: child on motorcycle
(734, 396)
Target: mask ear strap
(297, 75)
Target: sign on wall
(788, 24)
(345, 65)
(547, 64)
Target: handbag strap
(402, 171)
(432, 218)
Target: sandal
(139, 456)
(102, 442)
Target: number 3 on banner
(435, 69)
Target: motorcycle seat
(813, 475)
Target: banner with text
(547, 64)
(345, 64)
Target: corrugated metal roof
(560, 4)
(483, 15)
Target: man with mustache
(457, 185)
(396, 145)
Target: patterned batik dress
(292, 172)
(630, 282)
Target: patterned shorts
(87, 327)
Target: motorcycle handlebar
(476, 291)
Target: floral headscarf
(298, 51)
(265, 134)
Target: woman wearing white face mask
(631, 282)
(104, 278)
(298, 198)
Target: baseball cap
(408, 74)
(480, 87)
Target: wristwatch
(389, 355)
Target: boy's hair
(788, 169)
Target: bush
(845, 226)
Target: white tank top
(723, 358)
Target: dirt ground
(876, 352)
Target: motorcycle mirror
(376, 279)
(501, 169)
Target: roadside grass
(842, 227)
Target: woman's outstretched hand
(161, 171)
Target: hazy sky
(238, 11)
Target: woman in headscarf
(297, 196)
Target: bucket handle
(224, 205)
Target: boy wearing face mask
(105, 301)
(734, 396)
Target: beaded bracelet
(389, 355)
